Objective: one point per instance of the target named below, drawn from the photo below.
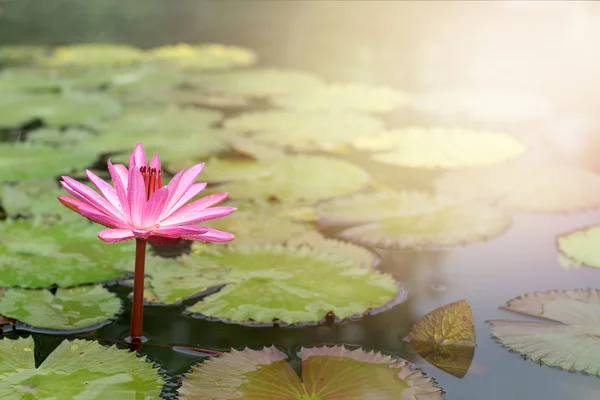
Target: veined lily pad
(69, 309)
(58, 137)
(256, 82)
(568, 340)
(24, 161)
(205, 56)
(93, 55)
(580, 247)
(35, 255)
(35, 198)
(446, 338)
(305, 130)
(291, 179)
(57, 109)
(411, 220)
(352, 97)
(28, 81)
(21, 55)
(75, 370)
(273, 283)
(441, 147)
(537, 188)
(328, 373)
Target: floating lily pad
(28, 81)
(291, 179)
(305, 131)
(24, 161)
(273, 283)
(441, 147)
(484, 105)
(256, 82)
(446, 338)
(567, 340)
(205, 56)
(68, 309)
(57, 109)
(536, 188)
(580, 247)
(35, 255)
(127, 79)
(348, 96)
(411, 220)
(21, 55)
(75, 370)
(93, 55)
(328, 373)
(58, 137)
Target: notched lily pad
(535, 188)
(35, 255)
(260, 83)
(581, 247)
(93, 55)
(209, 56)
(347, 96)
(441, 147)
(14, 81)
(446, 338)
(69, 309)
(58, 137)
(327, 373)
(568, 339)
(77, 369)
(273, 283)
(305, 131)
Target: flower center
(152, 180)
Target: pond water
(545, 52)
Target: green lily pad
(535, 188)
(25, 161)
(256, 82)
(348, 96)
(69, 309)
(58, 137)
(90, 55)
(411, 220)
(568, 339)
(35, 255)
(205, 56)
(21, 55)
(441, 147)
(273, 283)
(127, 79)
(75, 370)
(28, 81)
(328, 373)
(57, 109)
(484, 105)
(290, 179)
(305, 131)
(580, 247)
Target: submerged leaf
(67, 254)
(305, 131)
(349, 96)
(536, 188)
(581, 247)
(328, 373)
(93, 55)
(441, 147)
(75, 370)
(273, 283)
(69, 309)
(569, 343)
(205, 56)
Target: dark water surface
(548, 50)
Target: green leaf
(328, 373)
(256, 82)
(90, 55)
(347, 96)
(57, 109)
(24, 161)
(291, 179)
(34, 255)
(204, 57)
(568, 340)
(28, 81)
(581, 247)
(441, 147)
(535, 188)
(142, 78)
(75, 370)
(305, 131)
(446, 338)
(58, 137)
(21, 55)
(69, 309)
(270, 283)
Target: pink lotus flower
(139, 206)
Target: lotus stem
(137, 313)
